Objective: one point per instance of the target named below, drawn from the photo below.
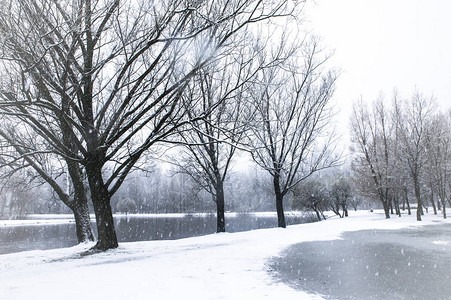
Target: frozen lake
(131, 228)
(372, 264)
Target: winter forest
(151, 107)
(114, 109)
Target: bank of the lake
(42, 232)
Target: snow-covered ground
(218, 266)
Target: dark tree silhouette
(109, 76)
(292, 110)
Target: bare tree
(111, 75)
(292, 111)
(211, 142)
(438, 143)
(340, 196)
(372, 133)
(311, 195)
(413, 120)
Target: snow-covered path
(219, 266)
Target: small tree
(340, 196)
(310, 195)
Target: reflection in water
(134, 228)
(22, 238)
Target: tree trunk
(280, 211)
(345, 211)
(443, 208)
(220, 204)
(419, 202)
(80, 206)
(105, 224)
(397, 208)
(279, 203)
(83, 223)
(434, 207)
(409, 212)
(386, 208)
(318, 215)
(106, 233)
(335, 207)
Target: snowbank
(218, 266)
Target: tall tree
(414, 117)
(438, 143)
(110, 76)
(372, 132)
(211, 142)
(292, 110)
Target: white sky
(381, 45)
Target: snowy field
(218, 266)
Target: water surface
(372, 264)
(135, 228)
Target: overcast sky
(381, 44)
